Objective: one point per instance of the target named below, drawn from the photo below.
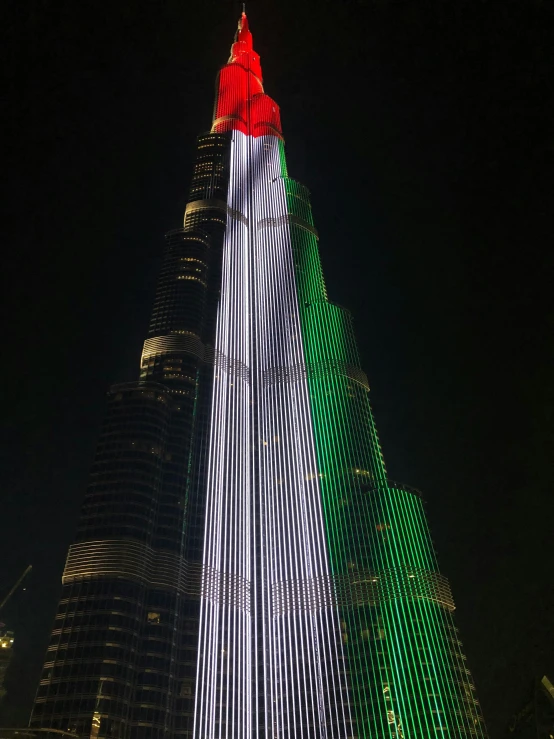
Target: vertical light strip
(262, 458)
(224, 669)
(408, 677)
(309, 696)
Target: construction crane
(17, 584)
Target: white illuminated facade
(264, 540)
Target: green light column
(406, 672)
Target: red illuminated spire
(242, 50)
(243, 33)
(241, 103)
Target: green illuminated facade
(406, 669)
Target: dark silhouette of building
(6, 652)
(243, 566)
(122, 656)
(19, 733)
(536, 719)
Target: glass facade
(243, 566)
(122, 655)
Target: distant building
(536, 718)
(6, 651)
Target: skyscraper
(243, 565)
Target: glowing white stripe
(223, 691)
(264, 520)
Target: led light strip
(305, 669)
(263, 433)
(224, 672)
(292, 373)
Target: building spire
(243, 34)
(243, 20)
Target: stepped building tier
(243, 566)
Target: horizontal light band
(214, 204)
(361, 588)
(138, 561)
(132, 559)
(299, 372)
(185, 343)
(233, 367)
(225, 118)
(176, 343)
(285, 220)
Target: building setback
(243, 566)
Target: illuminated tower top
(241, 104)
(242, 50)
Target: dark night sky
(424, 131)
